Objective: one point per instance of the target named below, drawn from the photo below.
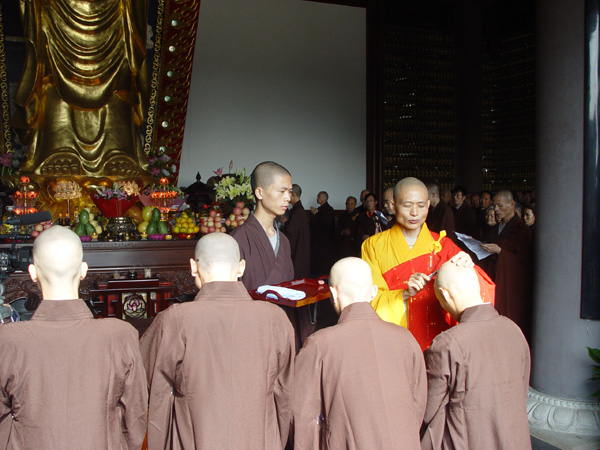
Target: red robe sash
(425, 317)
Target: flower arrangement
(116, 200)
(122, 190)
(10, 162)
(161, 164)
(231, 189)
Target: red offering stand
(315, 292)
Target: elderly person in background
(510, 266)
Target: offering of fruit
(154, 227)
(185, 225)
(39, 228)
(239, 215)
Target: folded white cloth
(291, 294)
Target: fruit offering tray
(315, 290)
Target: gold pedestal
(120, 229)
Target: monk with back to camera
(220, 368)
(360, 384)
(69, 381)
(477, 371)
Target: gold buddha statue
(84, 89)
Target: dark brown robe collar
(58, 310)
(227, 290)
(479, 313)
(358, 311)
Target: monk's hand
(462, 259)
(492, 248)
(416, 282)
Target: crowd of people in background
(224, 371)
(332, 238)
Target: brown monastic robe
(297, 230)
(69, 381)
(512, 271)
(262, 265)
(478, 378)
(220, 371)
(465, 220)
(323, 240)
(346, 235)
(360, 384)
(440, 218)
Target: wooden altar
(168, 261)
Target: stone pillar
(559, 399)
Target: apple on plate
(239, 204)
(212, 213)
(237, 210)
(246, 211)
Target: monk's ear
(258, 193)
(334, 295)
(194, 267)
(83, 270)
(445, 298)
(241, 268)
(32, 273)
(373, 293)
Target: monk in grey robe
(477, 371)
(69, 381)
(360, 384)
(220, 368)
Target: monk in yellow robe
(405, 258)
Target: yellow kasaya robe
(393, 262)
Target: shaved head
(507, 195)
(350, 281)
(457, 288)
(433, 189)
(217, 252)
(264, 174)
(408, 184)
(57, 255)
